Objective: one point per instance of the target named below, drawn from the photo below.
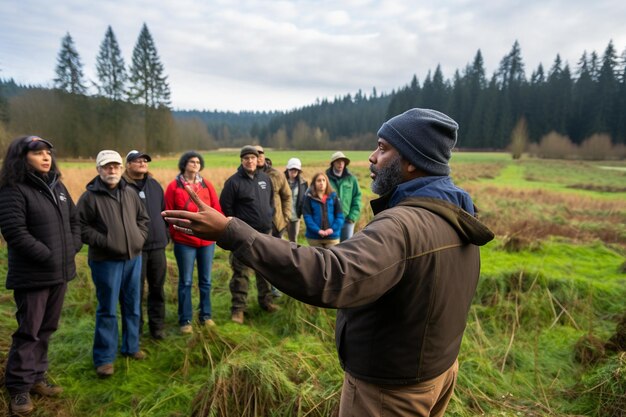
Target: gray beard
(387, 177)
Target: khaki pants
(425, 399)
(322, 243)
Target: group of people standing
(119, 218)
(403, 285)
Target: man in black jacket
(114, 223)
(248, 195)
(153, 261)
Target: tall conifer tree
(110, 68)
(69, 68)
(148, 84)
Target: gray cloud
(245, 54)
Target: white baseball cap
(108, 156)
(294, 163)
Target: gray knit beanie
(423, 137)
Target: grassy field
(551, 295)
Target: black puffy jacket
(40, 225)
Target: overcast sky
(279, 55)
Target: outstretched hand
(207, 223)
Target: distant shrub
(597, 147)
(556, 146)
(519, 139)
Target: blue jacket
(320, 216)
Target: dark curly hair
(184, 158)
(15, 167)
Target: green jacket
(347, 188)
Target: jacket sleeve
(170, 196)
(355, 203)
(354, 273)
(143, 218)
(215, 202)
(338, 215)
(226, 199)
(14, 226)
(301, 194)
(285, 199)
(74, 223)
(309, 216)
(89, 233)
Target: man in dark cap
(248, 196)
(153, 260)
(403, 285)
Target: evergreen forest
(129, 105)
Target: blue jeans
(185, 258)
(346, 231)
(116, 281)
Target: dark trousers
(239, 286)
(38, 313)
(153, 271)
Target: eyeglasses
(139, 161)
(193, 161)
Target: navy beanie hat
(423, 137)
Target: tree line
(132, 106)
(575, 103)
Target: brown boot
(237, 316)
(139, 355)
(45, 388)
(105, 371)
(21, 404)
(270, 308)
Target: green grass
(532, 308)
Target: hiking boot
(186, 329)
(208, 323)
(21, 403)
(237, 316)
(139, 355)
(105, 371)
(45, 388)
(270, 308)
(158, 334)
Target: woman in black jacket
(38, 220)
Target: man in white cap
(114, 223)
(347, 188)
(403, 285)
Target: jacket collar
(439, 187)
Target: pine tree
(148, 83)
(69, 69)
(607, 91)
(110, 68)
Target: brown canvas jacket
(404, 285)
